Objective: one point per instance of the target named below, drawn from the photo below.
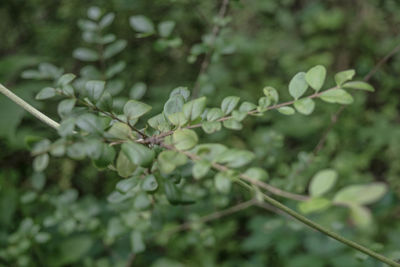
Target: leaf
(194, 108)
(150, 183)
(298, 85)
(200, 168)
(286, 110)
(361, 194)
(90, 123)
(229, 103)
(315, 77)
(126, 185)
(214, 114)
(65, 107)
(337, 96)
(138, 154)
(239, 115)
(46, 93)
(134, 109)
(66, 127)
(107, 20)
(115, 69)
(159, 122)
(232, 124)
(174, 104)
(141, 24)
(94, 13)
(314, 205)
(183, 91)
(105, 102)
(235, 158)
(322, 182)
(359, 85)
(114, 48)
(85, 54)
(211, 126)
(178, 119)
(184, 139)
(106, 158)
(41, 162)
(257, 173)
(66, 79)
(263, 104)
(125, 167)
(344, 76)
(361, 216)
(165, 28)
(223, 182)
(94, 90)
(171, 192)
(247, 106)
(138, 90)
(304, 106)
(272, 94)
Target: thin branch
(206, 61)
(19, 101)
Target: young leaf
(304, 106)
(184, 139)
(322, 182)
(298, 85)
(134, 109)
(337, 96)
(361, 194)
(141, 24)
(46, 93)
(344, 76)
(193, 109)
(286, 110)
(138, 153)
(315, 77)
(359, 85)
(229, 103)
(272, 94)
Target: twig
(206, 61)
(19, 101)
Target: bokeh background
(62, 218)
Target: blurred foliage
(62, 217)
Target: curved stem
(19, 101)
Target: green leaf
(359, 85)
(315, 77)
(211, 126)
(150, 183)
(223, 182)
(286, 110)
(322, 182)
(46, 93)
(229, 103)
(106, 157)
(178, 119)
(107, 20)
(94, 13)
(171, 192)
(298, 85)
(138, 154)
(361, 194)
(141, 24)
(232, 124)
(41, 162)
(263, 104)
(138, 90)
(94, 90)
(125, 167)
(134, 109)
(126, 185)
(200, 168)
(361, 216)
(337, 96)
(235, 158)
(174, 104)
(304, 106)
(168, 160)
(214, 114)
(115, 69)
(66, 79)
(272, 94)
(344, 76)
(194, 108)
(90, 123)
(137, 243)
(247, 106)
(159, 122)
(105, 102)
(314, 205)
(66, 127)
(85, 54)
(257, 173)
(183, 91)
(114, 48)
(65, 107)
(184, 139)
(120, 130)
(239, 115)
(165, 28)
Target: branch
(19, 101)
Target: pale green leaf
(286, 110)
(344, 76)
(361, 194)
(359, 85)
(134, 109)
(184, 139)
(229, 103)
(315, 77)
(194, 108)
(138, 154)
(304, 106)
(322, 182)
(298, 85)
(339, 96)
